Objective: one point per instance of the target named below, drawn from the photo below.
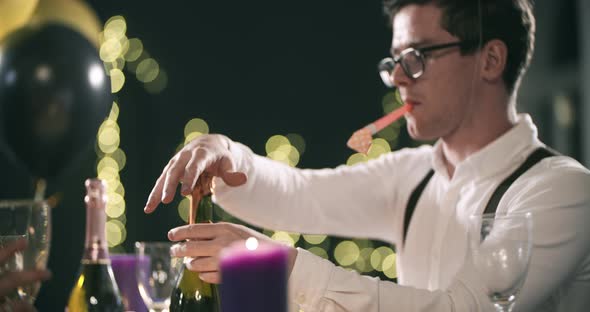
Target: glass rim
(15, 203)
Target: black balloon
(54, 94)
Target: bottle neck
(205, 210)
(95, 245)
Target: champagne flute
(14, 224)
(157, 272)
(501, 251)
(36, 254)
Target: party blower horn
(361, 139)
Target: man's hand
(207, 153)
(9, 281)
(204, 241)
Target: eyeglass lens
(410, 61)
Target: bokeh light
(115, 206)
(183, 209)
(356, 159)
(196, 125)
(284, 238)
(147, 70)
(295, 237)
(134, 51)
(564, 110)
(119, 156)
(297, 141)
(118, 63)
(158, 84)
(274, 142)
(363, 263)
(117, 80)
(346, 253)
(378, 148)
(115, 27)
(110, 50)
(389, 133)
(191, 136)
(114, 113)
(279, 148)
(116, 232)
(107, 162)
(318, 251)
(314, 239)
(378, 256)
(389, 266)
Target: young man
(459, 63)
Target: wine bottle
(95, 289)
(191, 293)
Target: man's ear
(493, 55)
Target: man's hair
(479, 21)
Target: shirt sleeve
(318, 285)
(359, 201)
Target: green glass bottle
(191, 294)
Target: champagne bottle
(95, 289)
(191, 293)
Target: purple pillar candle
(124, 268)
(254, 277)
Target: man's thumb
(234, 178)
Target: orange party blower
(361, 139)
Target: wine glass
(36, 254)
(14, 223)
(501, 251)
(157, 272)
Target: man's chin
(418, 135)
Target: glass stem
(504, 307)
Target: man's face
(442, 96)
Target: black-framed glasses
(411, 61)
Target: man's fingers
(210, 277)
(200, 160)
(202, 248)
(156, 194)
(204, 264)
(9, 281)
(189, 179)
(21, 306)
(173, 176)
(199, 231)
(9, 249)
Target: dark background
(253, 69)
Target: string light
(118, 53)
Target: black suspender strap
(416, 193)
(536, 156)
(533, 158)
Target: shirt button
(300, 298)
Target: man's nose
(399, 77)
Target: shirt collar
(510, 148)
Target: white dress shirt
(369, 200)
